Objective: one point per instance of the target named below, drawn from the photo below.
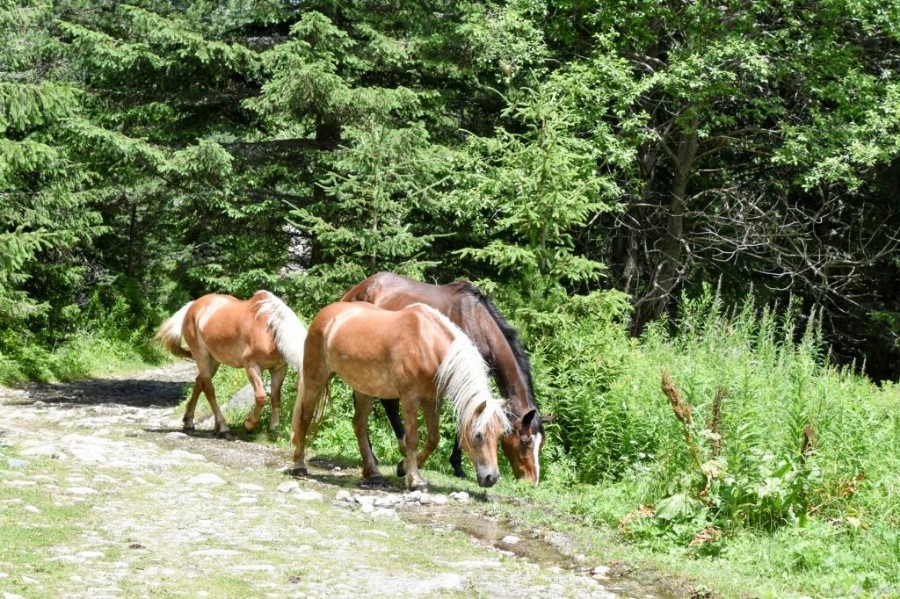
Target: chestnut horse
(415, 354)
(257, 334)
(496, 340)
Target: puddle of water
(533, 548)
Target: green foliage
(554, 172)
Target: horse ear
(528, 417)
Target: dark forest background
(155, 151)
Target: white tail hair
(289, 330)
(463, 377)
(170, 332)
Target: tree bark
(668, 271)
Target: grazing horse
(257, 334)
(416, 355)
(498, 344)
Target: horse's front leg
(254, 374)
(432, 425)
(278, 374)
(411, 443)
(362, 407)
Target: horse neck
(505, 368)
(462, 375)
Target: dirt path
(142, 510)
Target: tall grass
(735, 427)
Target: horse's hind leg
(362, 407)
(310, 388)
(206, 375)
(278, 375)
(188, 420)
(254, 374)
(207, 368)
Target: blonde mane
(463, 377)
(288, 329)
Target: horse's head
(522, 445)
(479, 440)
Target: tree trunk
(668, 271)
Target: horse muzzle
(488, 479)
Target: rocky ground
(143, 510)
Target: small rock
(215, 552)
(307, 495)
(41, 450)
(32, 509)
(90, 554)
(343, 495)
(413, 497)
(599, 572)
(207, 478)
(81, 490)
(176, 435)
(510, 540)
(388, 500)
(426, 499)
(250, 487)
(12, 596)
(439, 499)
(288, 486)
(384, 512)
(460, 496)
(367, 508)
(29, 580)
(180, 454)
(16, 463)
(365, 499)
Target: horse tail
(463, 377)
(288, 329)
(318, 411)
(169, 333)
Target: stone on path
(307, 495)
(510, 540)
(288, 486)
(207, 478)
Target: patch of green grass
(82, 356)
(27, 536)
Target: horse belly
(367, 378)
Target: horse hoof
(401, 469)
(422, 486)
(188, 429)
(298, 472)
(460, 473)
(225, 435)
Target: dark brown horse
(257, 334)
(416, 355)
(498, 344)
